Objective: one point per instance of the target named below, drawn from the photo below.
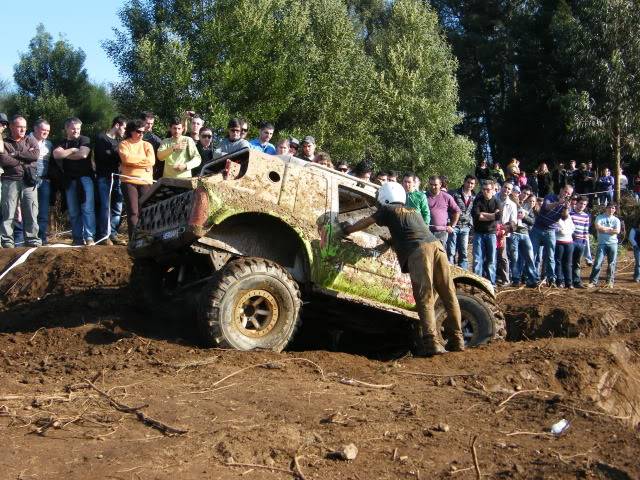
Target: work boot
(432, 346)
(455, 344)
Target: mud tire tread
(499, 321)
(214, 294)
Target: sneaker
(570, 287)
(609, 284)
(589, 263)
(592, 285)
(107, 242)
(89, 242)
(579, 285)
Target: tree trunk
(616, 156)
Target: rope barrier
(23, 258)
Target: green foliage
(600, 40)
(51, 67)
(54, 108)
(53, 84)
(307, 67)
(418, 95)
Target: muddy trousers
(429, 272)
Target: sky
(84, 25)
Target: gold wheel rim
(256, 313)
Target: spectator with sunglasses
(244, 128)
(233, 141)
(343, 167)
(205, 145)
(294, 143)
(136, 165)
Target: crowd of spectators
(524, 228)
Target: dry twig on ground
(262, 467)
(439, 375)
(259, 365)
(358, 383)
(476, 464)
(151, 422)
(521, 392)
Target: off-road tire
(228, 299)
(480, 313)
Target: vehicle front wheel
(251, 303)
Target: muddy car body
(255, 234)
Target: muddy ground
(92, 388)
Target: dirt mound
(599, 312)
(115, 388)
(50, 271)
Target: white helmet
(391, 192)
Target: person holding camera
(544, 229)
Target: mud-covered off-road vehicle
(254, 240)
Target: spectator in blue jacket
(605, 185)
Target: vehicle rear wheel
(482, 320)
(251, 303)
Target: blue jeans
(564, 260)
(522, 259)
(458, 242)
(578, 251)
(636, 268)
(484, 255)
(44, 197)
(109, 214)
(587, 252)
(547, 239)
(611, 251)
(82, 214)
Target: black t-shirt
(482, 205)
(407, 228)
(105, 155)
(77, 168)
(206, 153)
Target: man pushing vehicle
(421, 255)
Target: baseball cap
(309, 139)
(3, 118)
(294, 141)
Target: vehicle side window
(354, 205)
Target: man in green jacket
(415, 198)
